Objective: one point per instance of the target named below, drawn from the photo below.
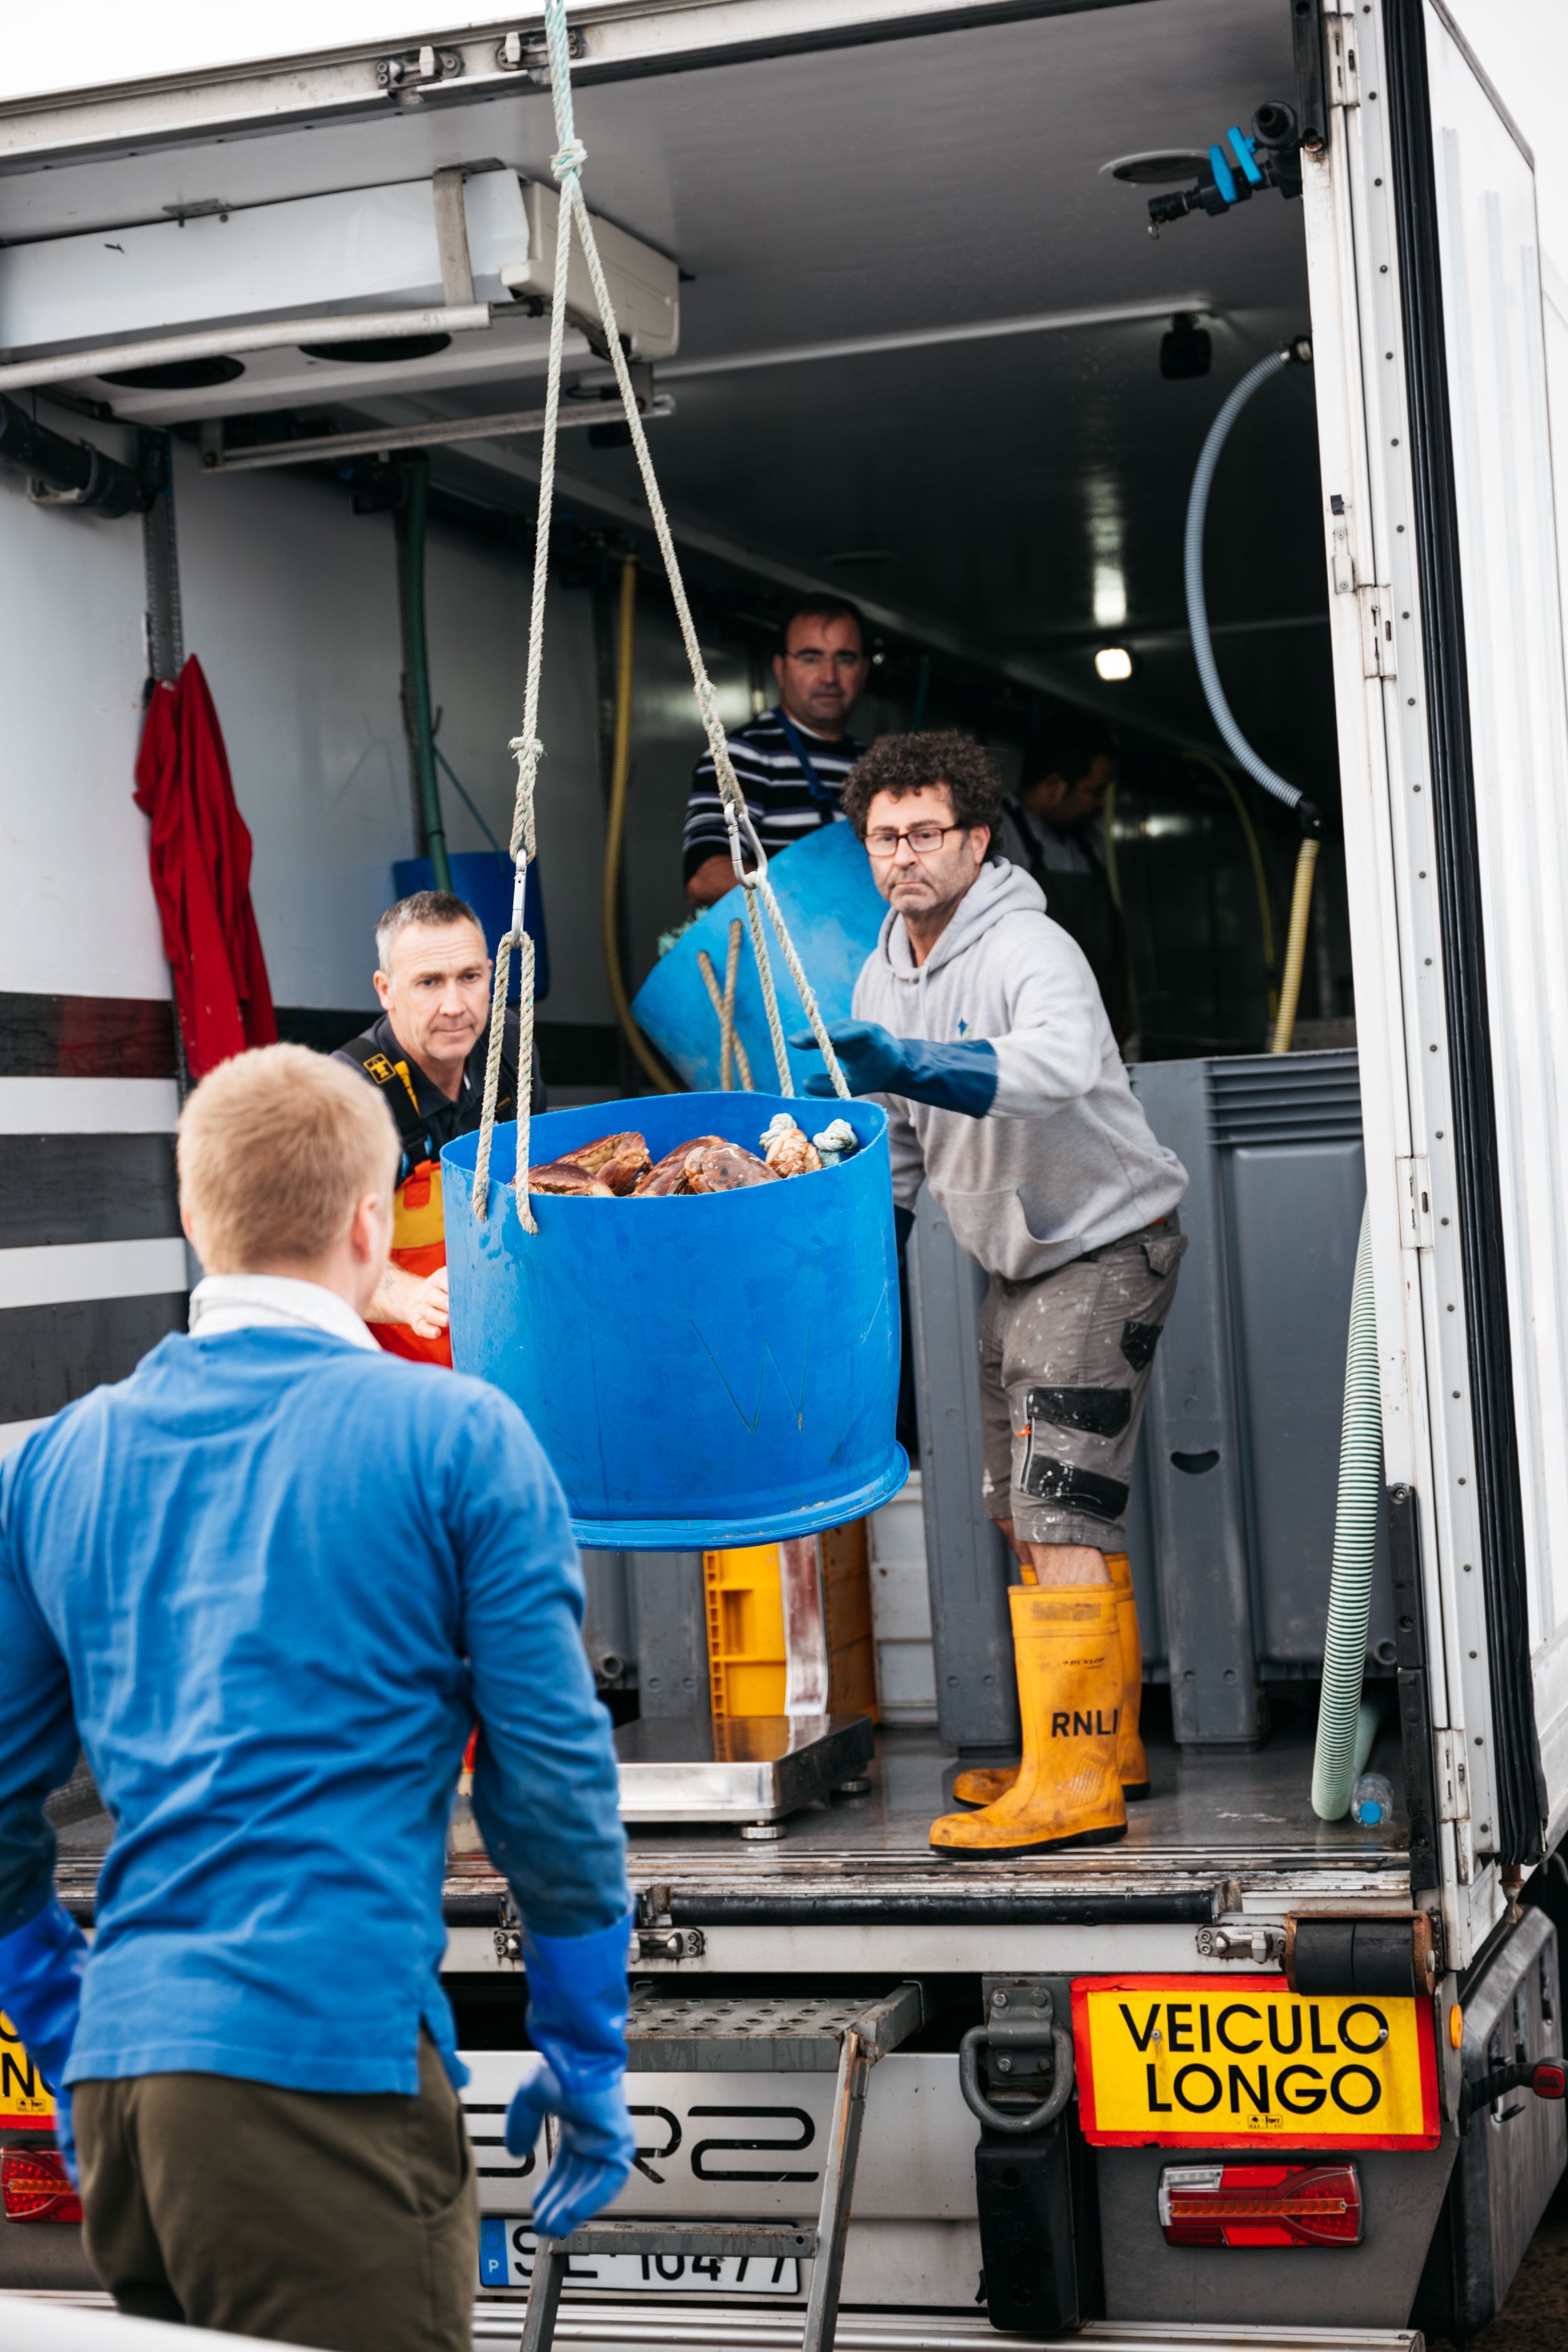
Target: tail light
(1260, 2205)
(1549, 2079)
(36, 2187)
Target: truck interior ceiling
(930, 355)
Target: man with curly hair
(977, 1023)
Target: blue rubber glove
(577, 2025)
(950, 1078)
(40, 1992)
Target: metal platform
(747, 1772)
(720, 2327)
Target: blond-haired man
(269, 1581)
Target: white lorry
(903, 333)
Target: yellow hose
(1259, 876)
(1113, 882)
(1295, 945)
(615, 825)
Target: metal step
(790, 2034)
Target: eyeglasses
(924, 839)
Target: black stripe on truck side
(85, 1036)
(51, 1355)
(1520, 1786)
(87, 1188)
(1190, 1906)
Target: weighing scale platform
(747, 1772)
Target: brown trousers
(345, 2221)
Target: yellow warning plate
(1200, 2061)
(24, 2103)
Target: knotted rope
(566, 164)
(732, 1053)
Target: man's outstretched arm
(545, 1782)
(546, 1797)
(42, 1949)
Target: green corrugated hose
(1335, 1765)
(431, 819)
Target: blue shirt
(270, 1580)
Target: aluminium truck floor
(1221, 1835)
(1241, 1822)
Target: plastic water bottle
(1372, 1802)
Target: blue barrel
(485, 878)
(834, 911)
(706, 1371)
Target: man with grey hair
(427, 1055)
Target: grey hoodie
(1064, 1159)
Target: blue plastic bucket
(834, 911)
(705, 1372)
(484, 877)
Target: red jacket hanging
(200, 859)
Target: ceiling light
(1157, 167)
(379, 352)
(1110, 596)
(1114, 664)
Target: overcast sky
(1523, 46)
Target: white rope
(731, 1052)
(737, 817)
(528, 751)
(567, 166)
(731, 975)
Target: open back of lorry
(1215, 2074)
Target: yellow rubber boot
(984, 1783)
(1067, 1648)
(1132, 1758)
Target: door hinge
(406, 77)
(1344, 89)
(1342, 558)
(528, 53)
(1415, 1180)
(1377, 632)
(1453, 1779)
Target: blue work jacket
(270, 1580)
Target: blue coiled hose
(1193, 561)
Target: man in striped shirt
(790, 762)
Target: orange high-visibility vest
(419, 1246)
(418, 1234)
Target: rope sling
(566, 165)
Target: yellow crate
(745, 1630)
(746, 1662)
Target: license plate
(506, 2259)
(25, 2102)
(1200, 2061)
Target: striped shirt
(779, 793)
